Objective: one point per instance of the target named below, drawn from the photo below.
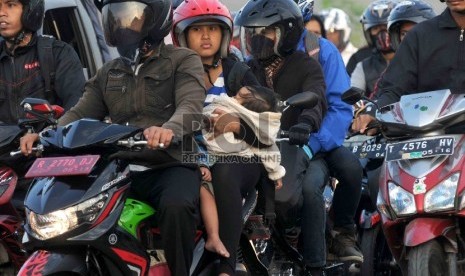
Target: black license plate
(421, 148)
(371, 151)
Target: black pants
(175, 193)
(346, 168)
(231, 182)
(302, 197)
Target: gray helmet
(376, 13)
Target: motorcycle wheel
(375, 253)
(427, 259)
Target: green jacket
(167, 91)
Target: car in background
(72, 22)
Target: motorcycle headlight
(442, 197)
(59, 222)
(402, 202)
(383, 208)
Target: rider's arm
(339, 115)
(189, 95)
(357, 78)
(91, 104)
(314, 82)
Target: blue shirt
(339, 115)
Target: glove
(299, 134)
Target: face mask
(128, 51)
(262, 47)
(382, 42)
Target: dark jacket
(373, 68)
(21, 77)
(299, 73)
(168, 91)
(248, 78)
(431, 57)
(358, 56)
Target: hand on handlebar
(27, 142)
(361, 124)
(299, 134)
(158, 137)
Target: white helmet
(337, 20)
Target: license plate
(370, 151)
(60, 166)
(421, 148)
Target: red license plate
(59, 166)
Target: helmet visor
(126, 23)
(258, 41)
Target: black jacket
(431, 57)
(373, 67)
(21, 77)
(300, 73)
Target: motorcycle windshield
(53, 193)
(87, 132)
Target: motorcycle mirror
(39, 110)
(303, 100)
(353, 95)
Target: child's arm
(206, 174)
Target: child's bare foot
(215, 245)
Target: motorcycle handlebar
(130, 142)
(37, 149)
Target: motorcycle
(421, 196)
(12, 169)
(378, 259)
(80, 217)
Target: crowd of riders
(183, 62)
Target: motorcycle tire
(428, 259)
(375, 251)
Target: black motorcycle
(80, 218)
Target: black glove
(299, 134)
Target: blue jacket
(339, 115)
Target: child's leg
(210, 219)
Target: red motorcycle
(422, 192)
(12, 253)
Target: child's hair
(262, 99)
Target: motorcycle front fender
(421, 230)
(44, 262)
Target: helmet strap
(15, 41)
(208, 67)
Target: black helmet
(415, 11)
(128, 24)
(376, 13)
(33, 14)
(285, 15)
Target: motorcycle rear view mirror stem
(354, 95)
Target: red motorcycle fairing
(43, 262)
(9, 225)
(8, 180)
(135, 262)
(421, 230)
